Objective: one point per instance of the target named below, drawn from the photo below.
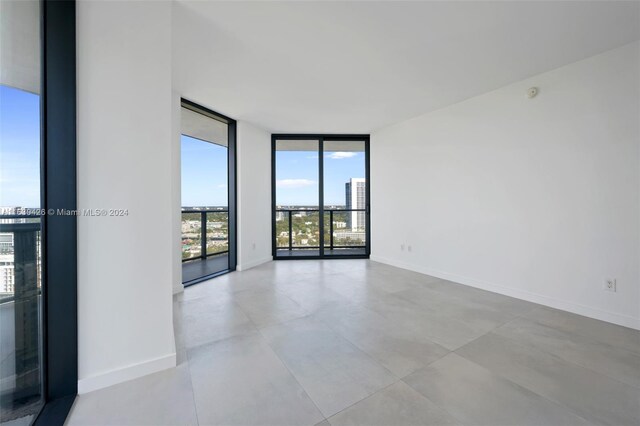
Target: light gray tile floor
(355, 342)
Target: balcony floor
(195, 269)
(361, 343)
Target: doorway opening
(320, 196)
(208, 188)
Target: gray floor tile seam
(283, 293)
(499, 374)
(485, 333)
(328, 324)
(353, 345)
(193, 391)
(383, 315)
(457, 419)
(516, 317)
(258, 327)
(581, 335)
(246, 313)
(310, 316)
(413, 280)
(368, 396)
(555, 356)
(188, 349)
(477, 305)
(550, 401)
(293, 375)
(475, 338)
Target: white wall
(254, 195)
(534, 198)
(124, 161)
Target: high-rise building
(356, 196)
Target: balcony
(20, 310)
(205, 242)
(298, 232)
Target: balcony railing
(19, 256)
(343, 229)
(20, 301)
(205, 232)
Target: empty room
(322, 213)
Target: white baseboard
(253, 264)
(131, 372)
(587, 311)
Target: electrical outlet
(609, 285)
(409, 248)
(401, 247)
(253, 246)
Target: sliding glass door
(297, 183)
(345, 197)
(320, 196)
(208, 193)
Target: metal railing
(332, 213)
(25, 230)
(204, 249)
(22, 259)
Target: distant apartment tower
(356, 196)
(7, 274)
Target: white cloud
(294, 183)
(341, 155)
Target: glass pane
(217, 232)
(20, 244)
(297, 206)
(191, 235)
(345, 201)
(305, 229)
(204, 174)
(282, 229)
(205, 212)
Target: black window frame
(321, 138)
(232, 195)
(58, 191)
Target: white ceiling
(353, 67)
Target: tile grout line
(544, 351)
(193, 391)
(366, 397)
(557, 403)
(293, 376)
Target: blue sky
(19, 148)
(204, 165)
(204, 173)
(297, 176)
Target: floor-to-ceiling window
(38, 343)
(320, 196)
(208, 195)
(21, 307)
